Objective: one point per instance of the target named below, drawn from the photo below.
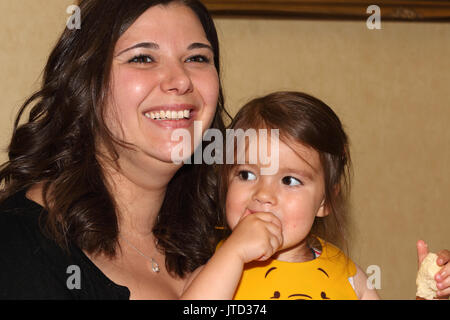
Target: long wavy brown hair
(309, 121)
(57, 145)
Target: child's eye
(198, 58)
(141, 59)
(291, 181)
(246, 175)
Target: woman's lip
(171, 107)
(174, 124)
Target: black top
(34, 267)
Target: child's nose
(265, 195)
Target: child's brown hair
(307, 120)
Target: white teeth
(169, 115)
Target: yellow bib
(326, 277)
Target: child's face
(294, 194)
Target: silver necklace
(155, 265)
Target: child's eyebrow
(303, 159)
(304, 173)
(245, 166)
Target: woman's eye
(198, 58)
(246, 175)
(141, 59)
(291, 181)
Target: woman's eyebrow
(199, 45)
(146, 45)
(155, 46)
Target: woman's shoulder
(19, 221)
(20, 226)
(24, 248)
(33, 266)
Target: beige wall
(389, 86)
(28, 30)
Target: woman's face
(163, 78)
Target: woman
(92, 156)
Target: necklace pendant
(155, 266)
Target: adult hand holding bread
(433, 281)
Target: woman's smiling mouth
(169, 115)
(172, 116)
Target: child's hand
(442, 277)
(257, 236)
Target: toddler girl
(282, 224)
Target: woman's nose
(176, 80)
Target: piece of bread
(426, 285)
